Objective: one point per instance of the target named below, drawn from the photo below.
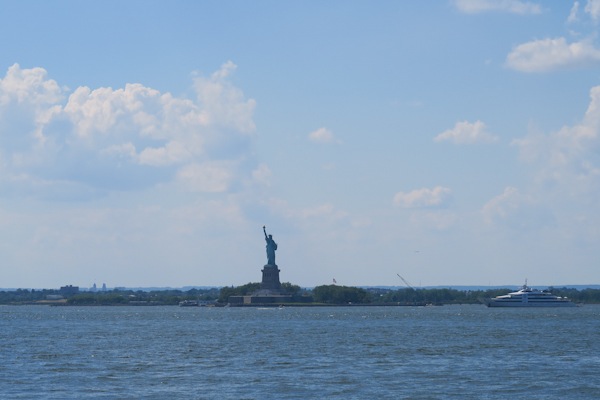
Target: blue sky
(146, 143)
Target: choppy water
(299, 353)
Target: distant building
(104, 287)
(69, 290)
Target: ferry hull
(493, 303)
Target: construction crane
(405, 281)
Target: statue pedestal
(270, 279)
(269, 294)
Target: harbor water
(447, 352)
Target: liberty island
(270, 291)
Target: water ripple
(298, 353)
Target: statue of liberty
(271, 247)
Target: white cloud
(172, 153)
(502, 205)
(124, 137)
(570, 157)
(223, 104)
(29, 86)
(262, 174)
(573, 13)
(467, 133)
(593, 8)
(126, 150)
(104, 110)
(322, 135)
(211, 177)
(551, 54)
(510, 6)
(420, 198)
(517, 211)
(565, 185)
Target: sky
(147, 143)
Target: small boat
(528, 297)
(188, 303)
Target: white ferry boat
(188, 303)
(528, 297)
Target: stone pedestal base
(270, 279)
(270, 292)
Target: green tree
(243, 290)
(333, 294)
(290, 288)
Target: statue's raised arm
(265, 231)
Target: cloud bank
(569, 159)
(104, 139)
(563, 170)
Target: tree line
(324, 294)
(110, 297)
(455, 296)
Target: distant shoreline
(396, 287)
(258, 305)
